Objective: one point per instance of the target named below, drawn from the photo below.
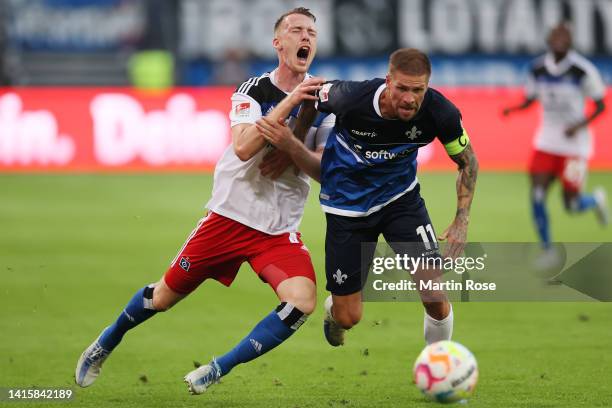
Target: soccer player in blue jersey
(369, 184)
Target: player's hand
(274, 163)
(571, 131)
(306, 91)
(455, 236)
(277, 133)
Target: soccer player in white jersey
(252, 218)
(561, 80)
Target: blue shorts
(347, 261)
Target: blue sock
(275, 328)
(540, 217)
(584, 202)
(139, 309)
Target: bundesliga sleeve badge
(324, 92)
(243, 109)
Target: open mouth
(303, 54)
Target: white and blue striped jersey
(370, 161)
(561, 87)
(240, 192)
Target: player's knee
(538, 193)
(347, 321)
(299, 292)
(164, 297)
(306, 305)
(305, 301)
(437, 310)
(161, 304)
(571, 203)
(347, 318)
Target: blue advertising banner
(471, 70)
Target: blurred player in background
(369, 184)
(561, 80)
(251, 217)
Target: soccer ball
(446, 371)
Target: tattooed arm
(456, 233)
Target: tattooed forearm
(466, 181)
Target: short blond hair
(298, 10)
(410, 61)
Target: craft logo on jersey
(185, 264)
(324, 92)
(413, 133)
(363, 133)
(340, 277)
(243, 109)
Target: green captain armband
(457, 145)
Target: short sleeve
(246, 102)
(245, 109)
(331, 96)
(451, 132)
(593, 85)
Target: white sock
(437, 330)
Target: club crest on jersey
(185, 264)
(324, 92)
(340, 277)
(243, 109)
(413, 133)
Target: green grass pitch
(74, 248)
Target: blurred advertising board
(75, 25)
(187, 129)
(89, 129)
(448, 71)
(362, 28)
(358, 28)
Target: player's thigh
(283, 261)
(543, 169)
(347, 259)
(540, 182)
(215, 249)
(574, 176)
(409, 232)
(407, 226)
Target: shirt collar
(376, 99)
(273, 78)
(558, 68)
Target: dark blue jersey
(369, 161)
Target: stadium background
(112, 116)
